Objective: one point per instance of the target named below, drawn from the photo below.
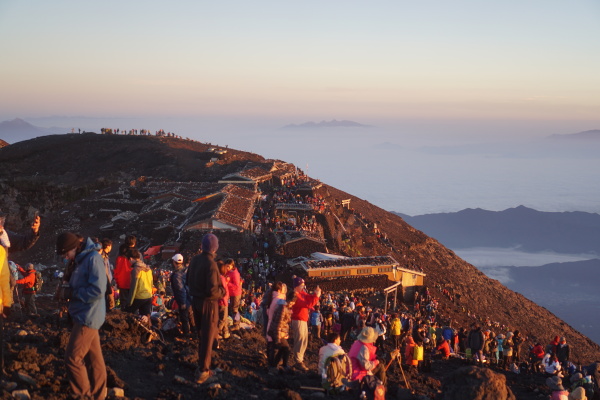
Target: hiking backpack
(371, 388)
(339, 371)
(39, 281)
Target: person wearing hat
(205, 287)
(180, 293)
(13, 242)
(563, 352)
(363, 356)
(558, 391)
(507, 350)
(85, 366)
(578, 394)
(303, 301)
(580, 386)
(28, 282)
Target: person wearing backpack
(331, 368)
(29, 288)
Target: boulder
(21, 394)
(476, 383)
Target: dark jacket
(563, 352)
(476, 340)
(178, 285)
(203, 278)
(22, 242)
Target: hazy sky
(304, 60)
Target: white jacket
(329, 350)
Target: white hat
(178, 258)
(367, 335)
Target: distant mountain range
(520, 227)
(586, 135)
(17, 130)
(569, 290)
(327, 124)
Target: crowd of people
(351, 261)
(138, 132)
(213, 298)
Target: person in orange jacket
(28, 282)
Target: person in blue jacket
(85, 366)
(180, 292)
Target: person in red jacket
(123, 267)
(28, 282)
(303, 302)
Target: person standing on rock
(85, 366)
(476, 340)
(123, 267)
(205, 287)
(28, 282)
(105, 253)
(180, 292)
(140, 293)
(234, 288)
(303, 301)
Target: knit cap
(210, 243)
(66, 242)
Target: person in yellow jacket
(14, 242)
(140, 296)
(5, 290)
(395, 330)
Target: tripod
(398, 358)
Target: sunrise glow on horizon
(461, 59)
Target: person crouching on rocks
(364, 358)
(85, 366)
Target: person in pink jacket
(234, 287)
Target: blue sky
(296, 61)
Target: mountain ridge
(327, 124)
(570, 232)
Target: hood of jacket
(140, 265)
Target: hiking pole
(403, 376)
